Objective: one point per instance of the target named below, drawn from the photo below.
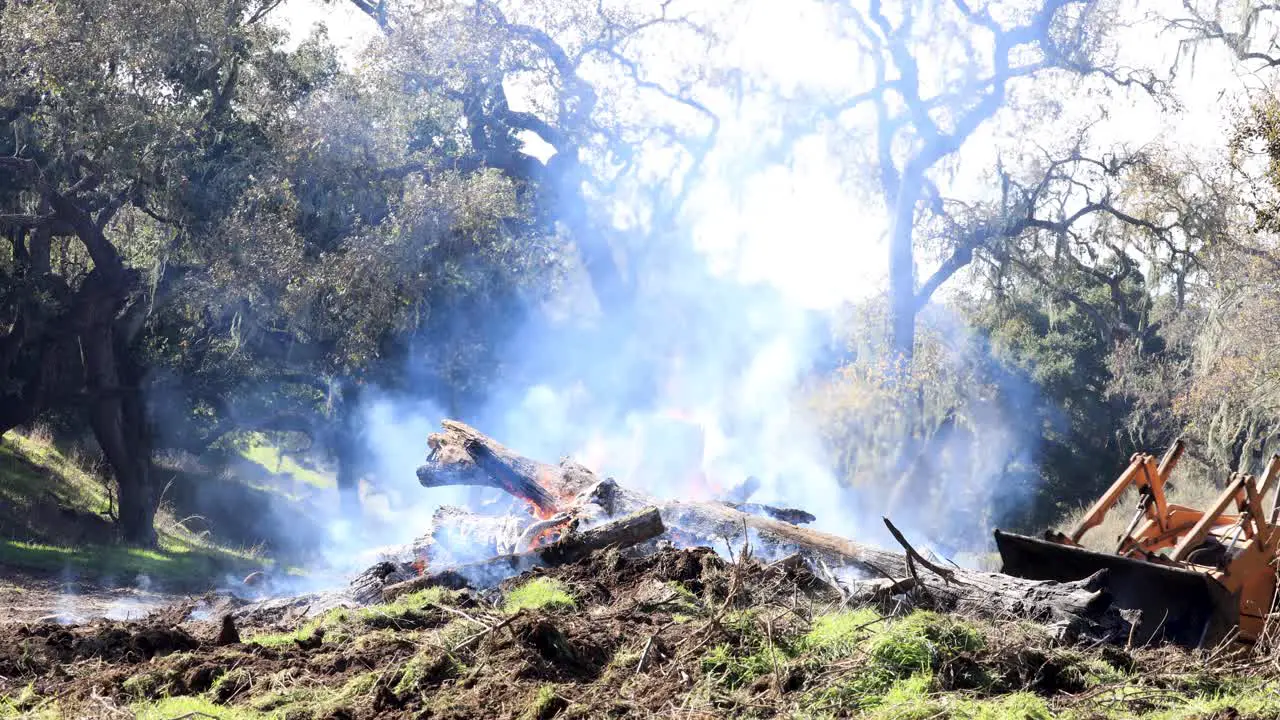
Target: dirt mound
(673, 633)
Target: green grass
(543, 702)
(918, 642)
(309, 702)
(174, 561)
(194, 707)
(17, 705)
(407, 610)
(900, 657)
(418, 600)
(848, 664)
(31, 469)
(429, 665)
(274, 460)
(539, 593)
(325, 622)
(911, 699)
(838, 635)
(1253, 697)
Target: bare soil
(677, 633)
(27, 598)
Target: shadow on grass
(175, 565)
(248, 507)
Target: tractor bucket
(1176, 604)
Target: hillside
(58, 547)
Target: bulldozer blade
(1176, 604)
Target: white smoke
(731, 310)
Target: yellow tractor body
(1197, 577)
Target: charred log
(787, 515)
(1076, 608)
(463, 456)
(622, 533)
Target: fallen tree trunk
(621, 533)
(463, 455)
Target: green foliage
(539, 593)
(274, 459)
(302, 223)
(951, 429)
(1059, 353)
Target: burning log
(462, 455)
(622, 533)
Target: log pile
(572, 511)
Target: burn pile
(563, 513)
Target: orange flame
(539, 513)
(546, 537)
(421, 562)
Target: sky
(799, 226)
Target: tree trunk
(18, 408)
(348, 448)
(902, 275)
(117, 408)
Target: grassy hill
(56, 518)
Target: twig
(644, 654)
(773, 656)
(488, 630)
(947, 575)
(835, 582)
(460, 614)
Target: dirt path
(25, 598)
